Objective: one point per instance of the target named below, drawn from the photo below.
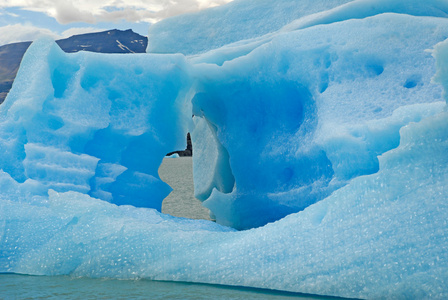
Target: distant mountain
(111, 41)
(10, 58)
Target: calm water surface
(13, 286)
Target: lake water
(13, 286)
(177, 172)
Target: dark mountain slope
(10, 58)
(112, 41)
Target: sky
(26, 20)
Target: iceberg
(323, 137)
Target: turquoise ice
(325, 137)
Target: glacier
(323, 135)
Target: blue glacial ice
(241, 25)
(333, 125)
(291, 131)
(222, 25)
(84, 122)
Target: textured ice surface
(81, 122)
(382, 235)
(238, 20)
(343, 112)
(241, 25)
(298, 117)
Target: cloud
(80, 30)
(93, 11)
(22, 33)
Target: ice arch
(304, 112)
(101, 125)
(271, 138)
(95, 124)
(248, 120)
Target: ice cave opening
(177, 172)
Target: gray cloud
(93, 11)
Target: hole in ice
(55, 122)
(177, 172)
(374, 68)
(412, 81)
(60, 78)
(324, 83)
(377, 109)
